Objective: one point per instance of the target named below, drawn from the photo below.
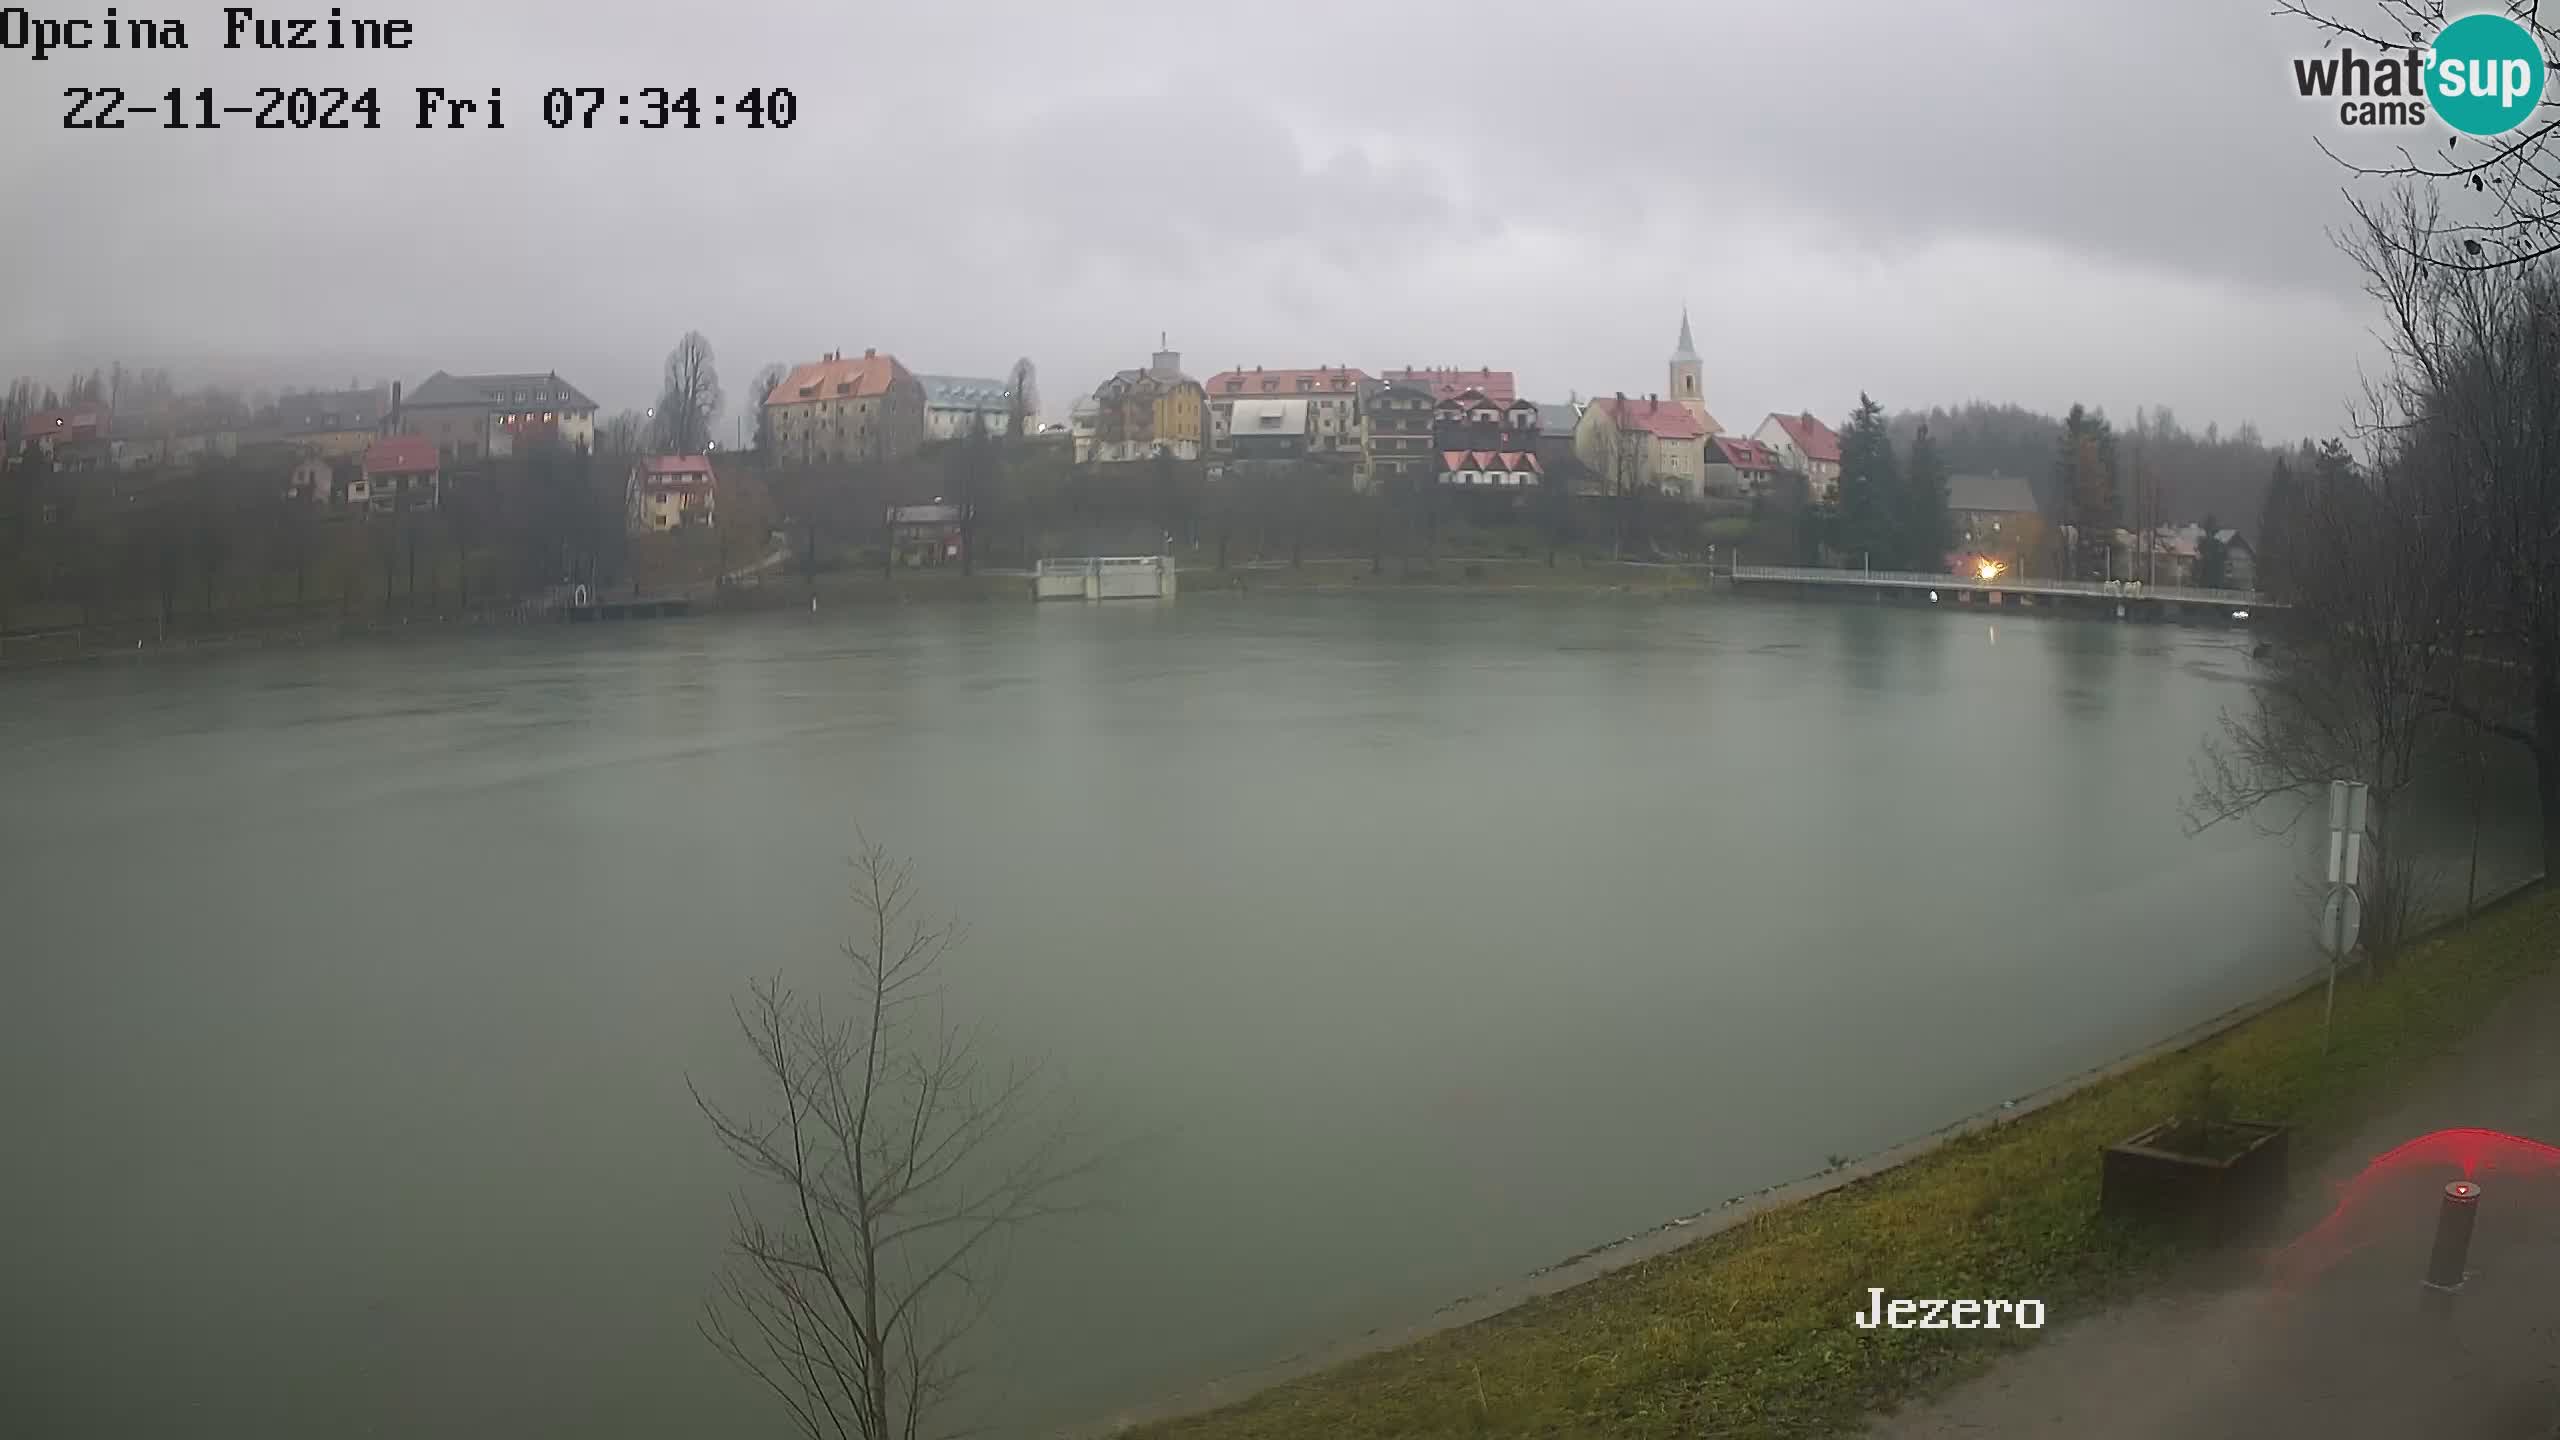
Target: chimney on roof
(395, 408)
(868, 352)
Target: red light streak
(2475, 1154)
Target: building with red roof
(1499, 468)
(1444, 383)
(1739, 466)
(72, 438)
(81, 423)
(1483, 440)
(1332, 394)
(398, 471)
(670, 492)
(1650, 444)
(1805, 445)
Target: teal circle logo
(2485, 74)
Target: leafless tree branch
(899, 1167)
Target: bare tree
(2354, 681)
(1626, 459)
(2424, 586)
(890, 1164)
(689, 399)
(623, 435)
(2476, 378)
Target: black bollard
(2454, 1221)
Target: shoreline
(1331, 576)
(1679, 1232)
(29, 650)
(1203, 1402)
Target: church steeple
(1688, 383)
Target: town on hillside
(131, 501)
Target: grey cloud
(1505, 183)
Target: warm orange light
(1989, 569)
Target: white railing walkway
(1921, 580)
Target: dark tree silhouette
(689, 399)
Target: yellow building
(1139, 414)
(1648, 445)
(670, 492)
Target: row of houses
(376, 450)
(1468, 428)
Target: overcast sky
(1929, 200)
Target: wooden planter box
(2220, 1198)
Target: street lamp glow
(1989, 569)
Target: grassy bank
(1747, 1332)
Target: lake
(1410, 942)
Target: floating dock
(1105, 577)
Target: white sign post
(2342, 918)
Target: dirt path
(2345, 1346)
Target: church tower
(1687, 383)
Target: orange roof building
(840, 409)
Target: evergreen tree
(1925, 531)
(2085, 473)
(1867, 527)
(1555, 507)
(2275, 527)
(768, 380)
(2212, 563)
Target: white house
(1503, 469)
(1806, 446)
(314, 480)
(955, 405)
